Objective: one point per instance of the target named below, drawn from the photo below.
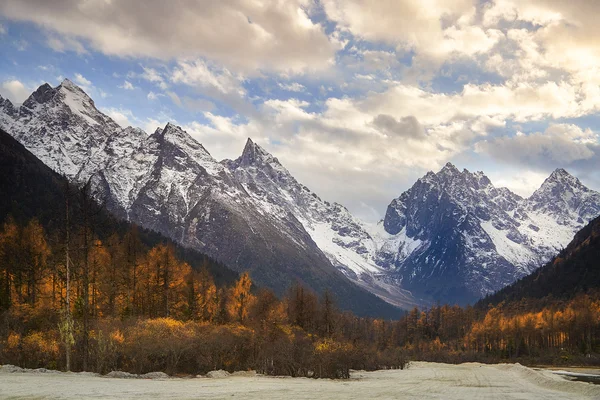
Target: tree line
(75, 297)
(114, 304)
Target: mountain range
(451, 237)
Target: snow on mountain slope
(168, 182)
(452, 236)
(61, 126)
(475, 238)
(345, 240)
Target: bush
(158, 344)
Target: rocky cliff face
(475, 238)
(452, 237)
(169, 182)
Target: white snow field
(421, 381)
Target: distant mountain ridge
(475, 238)
(452, 237)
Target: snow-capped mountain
(169, 182)
(453, 236)
(473, 238)
(347, 242)
(61, 126)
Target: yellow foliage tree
(240, 299)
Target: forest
(80, 290)
(71, 301)
(117, 304)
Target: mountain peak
(41, 95)
(70, 89)
(558, 189)
(561, 177)
(254, 154)
(69, 84)
(178, 137)
(560, 173)
(450, 168)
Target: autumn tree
(9, 240)
(208, 304)
(240, 299)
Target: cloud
(151, 75)
(518, 101)
(15, 91)
(153, 96)
(407, 127)
(558, 145)
(127, 85)
(87, 85)
(191, 104)
(152, 124)
(270, 35)
(62, 44)
(436, 30)
(82, 81)
(202, 75)
(21, 44)
(121, 116)
(521, 181)
(2, 29)
(148, 74)
(292, 87)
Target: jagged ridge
(476, 238)
(452, 237)
(168, 182)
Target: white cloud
(292, 87)
(152, 75)
(127, 85)
(15, 91)
(558, 145)
(123, 117)
(62, 44)
(175, 98)
(200, 74)
(151, 124)
(2, 29)
(271, 35)
(81, 80)
(519, 181)
(86, 84)
(435, 28)
(21, 44)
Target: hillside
(32, 190)
(575, 270)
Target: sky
(356, 98)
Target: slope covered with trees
(549, 316)
(80, 290)
(135, 301)
(32, 190)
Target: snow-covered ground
(421, 380)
